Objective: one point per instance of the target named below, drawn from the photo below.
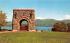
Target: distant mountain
(44, 22)
(66, 21)
(49, 22)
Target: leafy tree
(2, 19)
(59, 26)
(68, 25)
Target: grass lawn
(35, 37)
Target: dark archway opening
(24, 25)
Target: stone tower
(20, 15)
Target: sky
(44, 9)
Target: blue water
(37, 28)
(7, 27)
(43, 28)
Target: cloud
(44, 18)
(64, 17)
(67, 16)
(40, 18)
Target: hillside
(45, 22)
(66, 21)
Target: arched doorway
(24, 25)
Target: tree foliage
(2, 19)
(59, 26)
(68, 25)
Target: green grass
(35, 37)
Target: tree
(2, 19)
(68, 25)
(59, 26)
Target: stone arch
(21, 15)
